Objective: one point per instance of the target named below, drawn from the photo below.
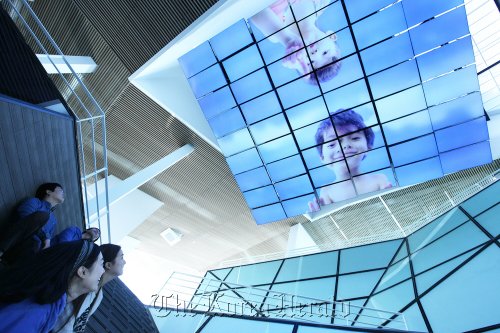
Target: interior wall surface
(120, 311)
(443, 277)
(36, 145)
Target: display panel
(317, 101)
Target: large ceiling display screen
(314, 102)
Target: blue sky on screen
(269, 82)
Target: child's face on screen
(318, 54)
(323, 52)
(351, 144)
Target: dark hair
(343, 118)
(325, 73)
(46, 276)
(109, 252)
(41, 191)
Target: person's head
(52, 272)
(50, 192)
(322, 56)
(354, 138)
(113, 260)
(91, 234)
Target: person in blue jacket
(35, 231)
(33, 293)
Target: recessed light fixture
(171, 236)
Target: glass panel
(278, 149)
(261, 273)
(286, 168)
(419, 172)
(436, 228)
(450, 86)
(315, 265)
(296, 92)
(235, 142)
(407, 127)
(229, 325)
(387, 54)
(227, 122)
(375, 181)
(393, 299)
(476, 154)
(478, 284)
(218, 101)
(437, 32)
(180, 323)
(307, 113)
(426, 280)
(250, 57)
(453, 137)
(336, 192)
(312, 157)
(489, 220)
(252, 179)
(231, 40)
(251, 86)
(401, 104)
(460, 240)
(414, 150)
(420, 10)
(268, 214)
(394, 79)
(360, 8)
(197, 60)
(207, 81)
(483, 200)
(367, 256)
(328, 174)
(402, 253)
(321, 289)
(244, 161)
(279, 45)
(339, 73)
(413, 319)
(261, 196)
(293, 187)
(219, 273)
(457, 111)
(446, 58)
(348, 96)
(261, 107)
(357, 285)
(376, 28)
(394, 274)
(298, 205)
(269, 129)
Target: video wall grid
(314, 101)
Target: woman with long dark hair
(33, 293)
(76, 314)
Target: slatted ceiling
(138, 30)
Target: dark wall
(37, 147)
(121, 311)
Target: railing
(341, 244)
(90, 118)
(185, 292)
